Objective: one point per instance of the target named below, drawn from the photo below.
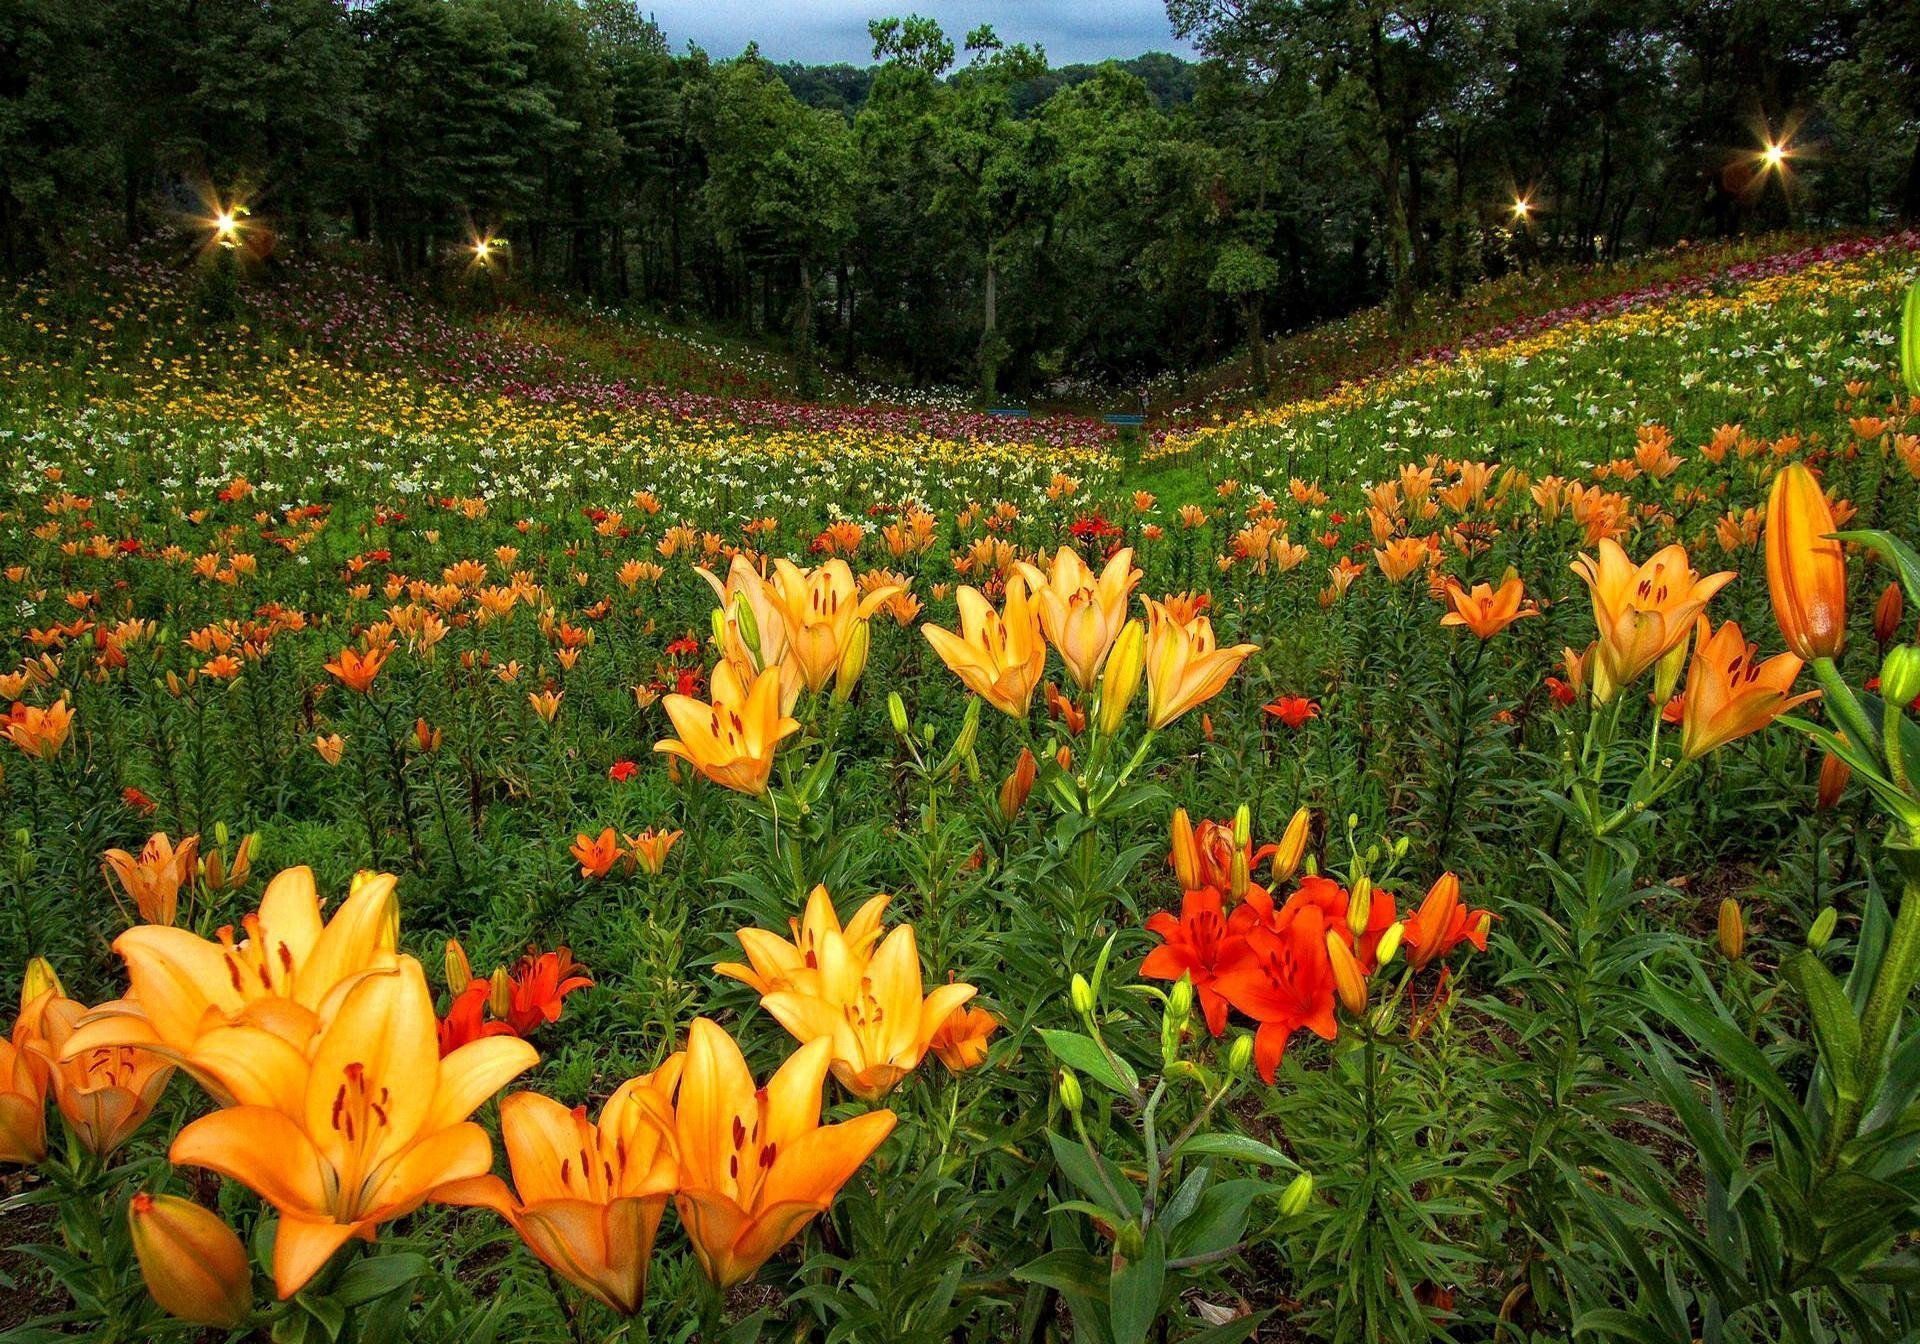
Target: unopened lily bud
(1186, 856)
(459, 970)
(1348, 983)
(1360, 905)
(1016, 787)
(1298, 1194)
(1834, 774)
(1887, 613)
(1180, 1001)
(897, 712)
(220, 834)
(1292, 847)
(853, 661)
(1080, 994)
(1243, 826)
(1401, 846)
(1900, 674)
(719, 624)
(426, 736)
(1733, 930)
(39, 978)
(1121, 680)
(969, 728)
(1666, 672)
(1064, 756)
(1822, 930)
(1389, 943)
(500, 994)
(194, 1264)
(1240, 1054)
(1239, 877)
(1070, 1094)
(749, 625)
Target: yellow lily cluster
(854, 990)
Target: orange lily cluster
(1286, 965)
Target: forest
(960, 212)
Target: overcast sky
(828, 31)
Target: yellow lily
(1081, 614)
(359, 1127)
(1641, 611)
(999, 657)
(587, 1197)
(756, 1164)
(820, 608)
(776, 963)
(286, 975)
(733, 740)
(1184, 668)
(871, 1011)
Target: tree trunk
(990, 333)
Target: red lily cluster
(530, 995)
(1272, 962)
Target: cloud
(828, 31)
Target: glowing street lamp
(1522, 210)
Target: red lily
(1199, 945)
(540, 981)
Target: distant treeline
(960, 210)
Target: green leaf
(1895, 551)
(1233, 1332)
(1067, 1270)
(1136, 1291)
(1083, 1054)
(1836, 1031)
(378, 1275)
(1237, 1146)
(1910, 339)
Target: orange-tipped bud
(193, 1263)
(458, 969)
(1806, 571)
(1834, 774)
(426, 736)
(1732, 933)
(1292, 847)
(1017, 785)
(1348, 983)
(1887, 614)
(1186, 855)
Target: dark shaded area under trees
(959, 211)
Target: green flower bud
(1240, 1054)
(1299, 1192)
(1070, 1095)
(1180, 1001)
(1243, 826)
(1822, 929)
(1900, 674)
(897, 712)
(749, 626)
(1081, 994)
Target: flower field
(515, 827)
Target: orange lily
(105, 1093)
(999, 656)
(597, 857)
(356, 670)
(1729, 693)
(153, 881)
(1184, 669)
(820, 608)
(40, 732)
(756, 1164)
(871, 1010)
(587, 1196)
(356, 1129)
(1484, 611)
(1806, 570)
(285, 976)
(23, 1073)
(733, 740)
(650, 848)
(1082, 615)
(778, 964)
(961, 1041)
(1641, 611)
(1441, 923)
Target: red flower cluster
(530, 996)
(1272, 963)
